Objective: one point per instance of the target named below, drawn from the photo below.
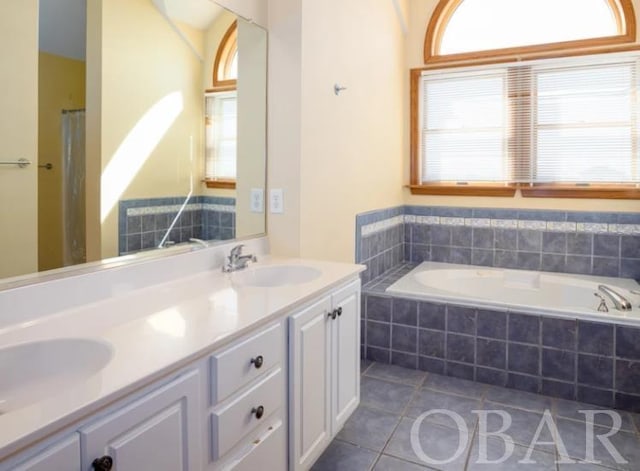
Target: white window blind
(220, 135)
(572, 121)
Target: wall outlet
(276, 200)
(257, 200)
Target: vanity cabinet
(324, 356)
(159, 431)
(63, 455)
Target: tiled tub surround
(144, 222)
(593, 362)
(603, 244)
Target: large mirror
(117, 136)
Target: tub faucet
(199, 242)
(237, 261)
(620, 302)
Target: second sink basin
(34, 371)
(276, 275)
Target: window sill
(225, 184)
(630, 192)
(463, 190)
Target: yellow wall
(61, 85)
(18, 134)
(420, 12)
(146, 64)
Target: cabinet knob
(257, 361)
(258, 411)
(332, 314)
(339, 311)
(104, 463)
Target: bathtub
(557, 294)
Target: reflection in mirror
(119, 122)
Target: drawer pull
(339, 310)
(257, 361)
(104, 463)
(258, 411)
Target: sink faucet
(237, 261)
(620, 302)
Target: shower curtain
(73, 187)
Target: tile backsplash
(143, 223)
(604, 244)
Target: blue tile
(461, 236)
(403, 338)
(596, 338)
(482, 257)
(630, 246)
(379, 355)
(379, 308)
(602, 218)
(431, 343)
(441, 235)
(405, 311)
(418, 210)
(460, 256)
(599, 397)
(628, 342)
(461, 319)
(558, 364)
(405, 360)
(629, 218)
(134, 224)
(491, 353)
(492, 324)
(495, 213)
(605, 266)
(421, 234)
(460, 370)
(630, 268)
(506, 239)
(529, 384)
(445, 211)
(431, 365)
(529, 240)
(524, 358)
(440, 253)
(559, 333)
(541, 215)
(579, 243)
(595, 371)
(606, 245)
(505, 259)
(558, 389)
(482, 238)
(627, 402)
(148, 240)
(134, 242)
(529, 261)
(378, 334)
(491, 376)
(431, 315)
(578, 264)
(460, 348)
(552, 262)
(524, 328)
(420, 253)
(554, 242)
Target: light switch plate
(257, 200)
(276, 201)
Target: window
(221, 115)
(486, 122)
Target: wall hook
(337, 89)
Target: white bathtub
(531, 292)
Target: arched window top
(225, 66)
(465, 29)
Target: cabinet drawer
(267, 451)
(230, 422)
(233, 368)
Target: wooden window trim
(228, 44)
(471, 189)
(600, 191)
(227, 184)
(623, 11)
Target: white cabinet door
(158, 432)
(64, 455)
(310, 396)
(346, 355)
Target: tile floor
(377, 436)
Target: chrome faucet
(201, 242)
(237, 261)
(620, 302)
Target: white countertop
(153, 331)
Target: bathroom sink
(34, 371)
(276, 275)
